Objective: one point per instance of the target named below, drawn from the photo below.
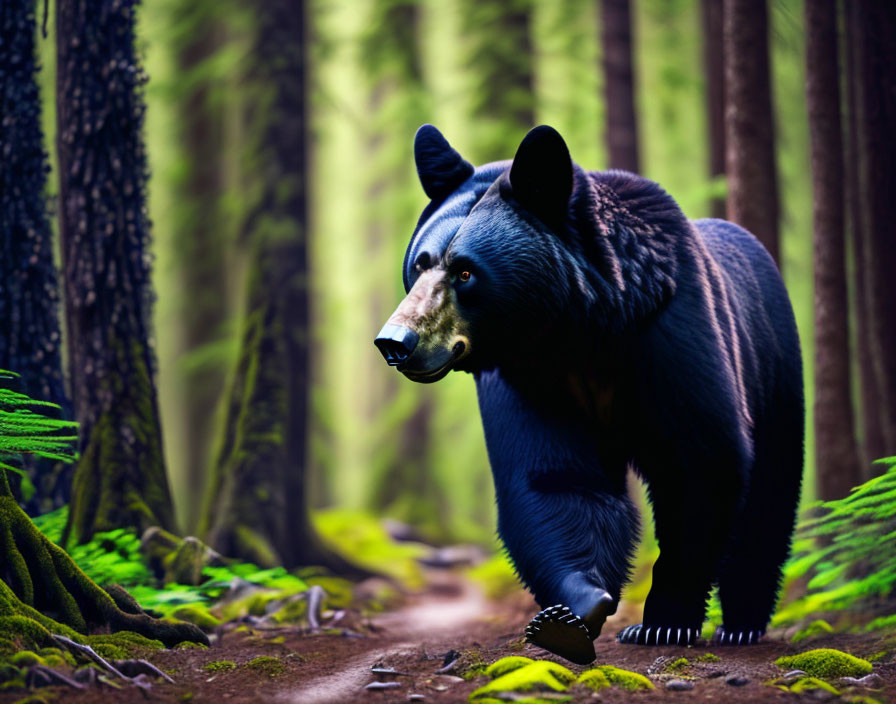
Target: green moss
(110, 652)
(708, 657)
(219, 666)
(626, 679)
(678, 665)
(874, 657)
(818, 627)
(187, 645)
(26, 658)
(267, 664)
(197, 614)
(25, 632)
(541, 675)
(505, 665)
(594, 679)
(810, 684)
(825, 662)
(861, 699)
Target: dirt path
(432, 621)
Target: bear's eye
(464, 276)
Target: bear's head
(481, 269)
(516, 261)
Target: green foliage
(219, 666)
(819, 627)
(708, 657)
(838, 551)
(496, 576)
(24, 429)
(114, 557)
(825, 662)
(362, 538)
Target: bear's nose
(396, 343)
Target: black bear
(605, 330)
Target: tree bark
(749, 122)
(30, 340)
(714, 66)
(873, 444)
(837, 465)
(498, 33)
(200, 238)
(619, 85)
(120, 477)
(872, 28)
(257, 505)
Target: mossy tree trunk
(256, 506)
(43, 591)
(29, 307)
(120, 477)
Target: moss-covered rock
(593, 679)
(632, 681)
(157, 546)
(539, 676)
(508, 664)
(825, 662)
(806, 685)
(708, 657)
(185, 564)
(197, 614)
(677, 666)
(267, 664)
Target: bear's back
(754, 284)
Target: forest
(211, 484)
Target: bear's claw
(560, 631)
(639, 634)
(725, 636)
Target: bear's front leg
(572, 547)
(568, 525)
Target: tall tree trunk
(500, 61)
(619, 85)
(120, 477)
(872, 30)
(837, 462)
(749, 122)
(714, 66)
(873, 444)
(30, 338)
(201, 240)
(257, 505)
(390, 57)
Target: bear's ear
(541, 174)
(440, 168)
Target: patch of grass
(825, 662)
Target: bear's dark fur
(605, 330)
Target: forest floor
(449, 617)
